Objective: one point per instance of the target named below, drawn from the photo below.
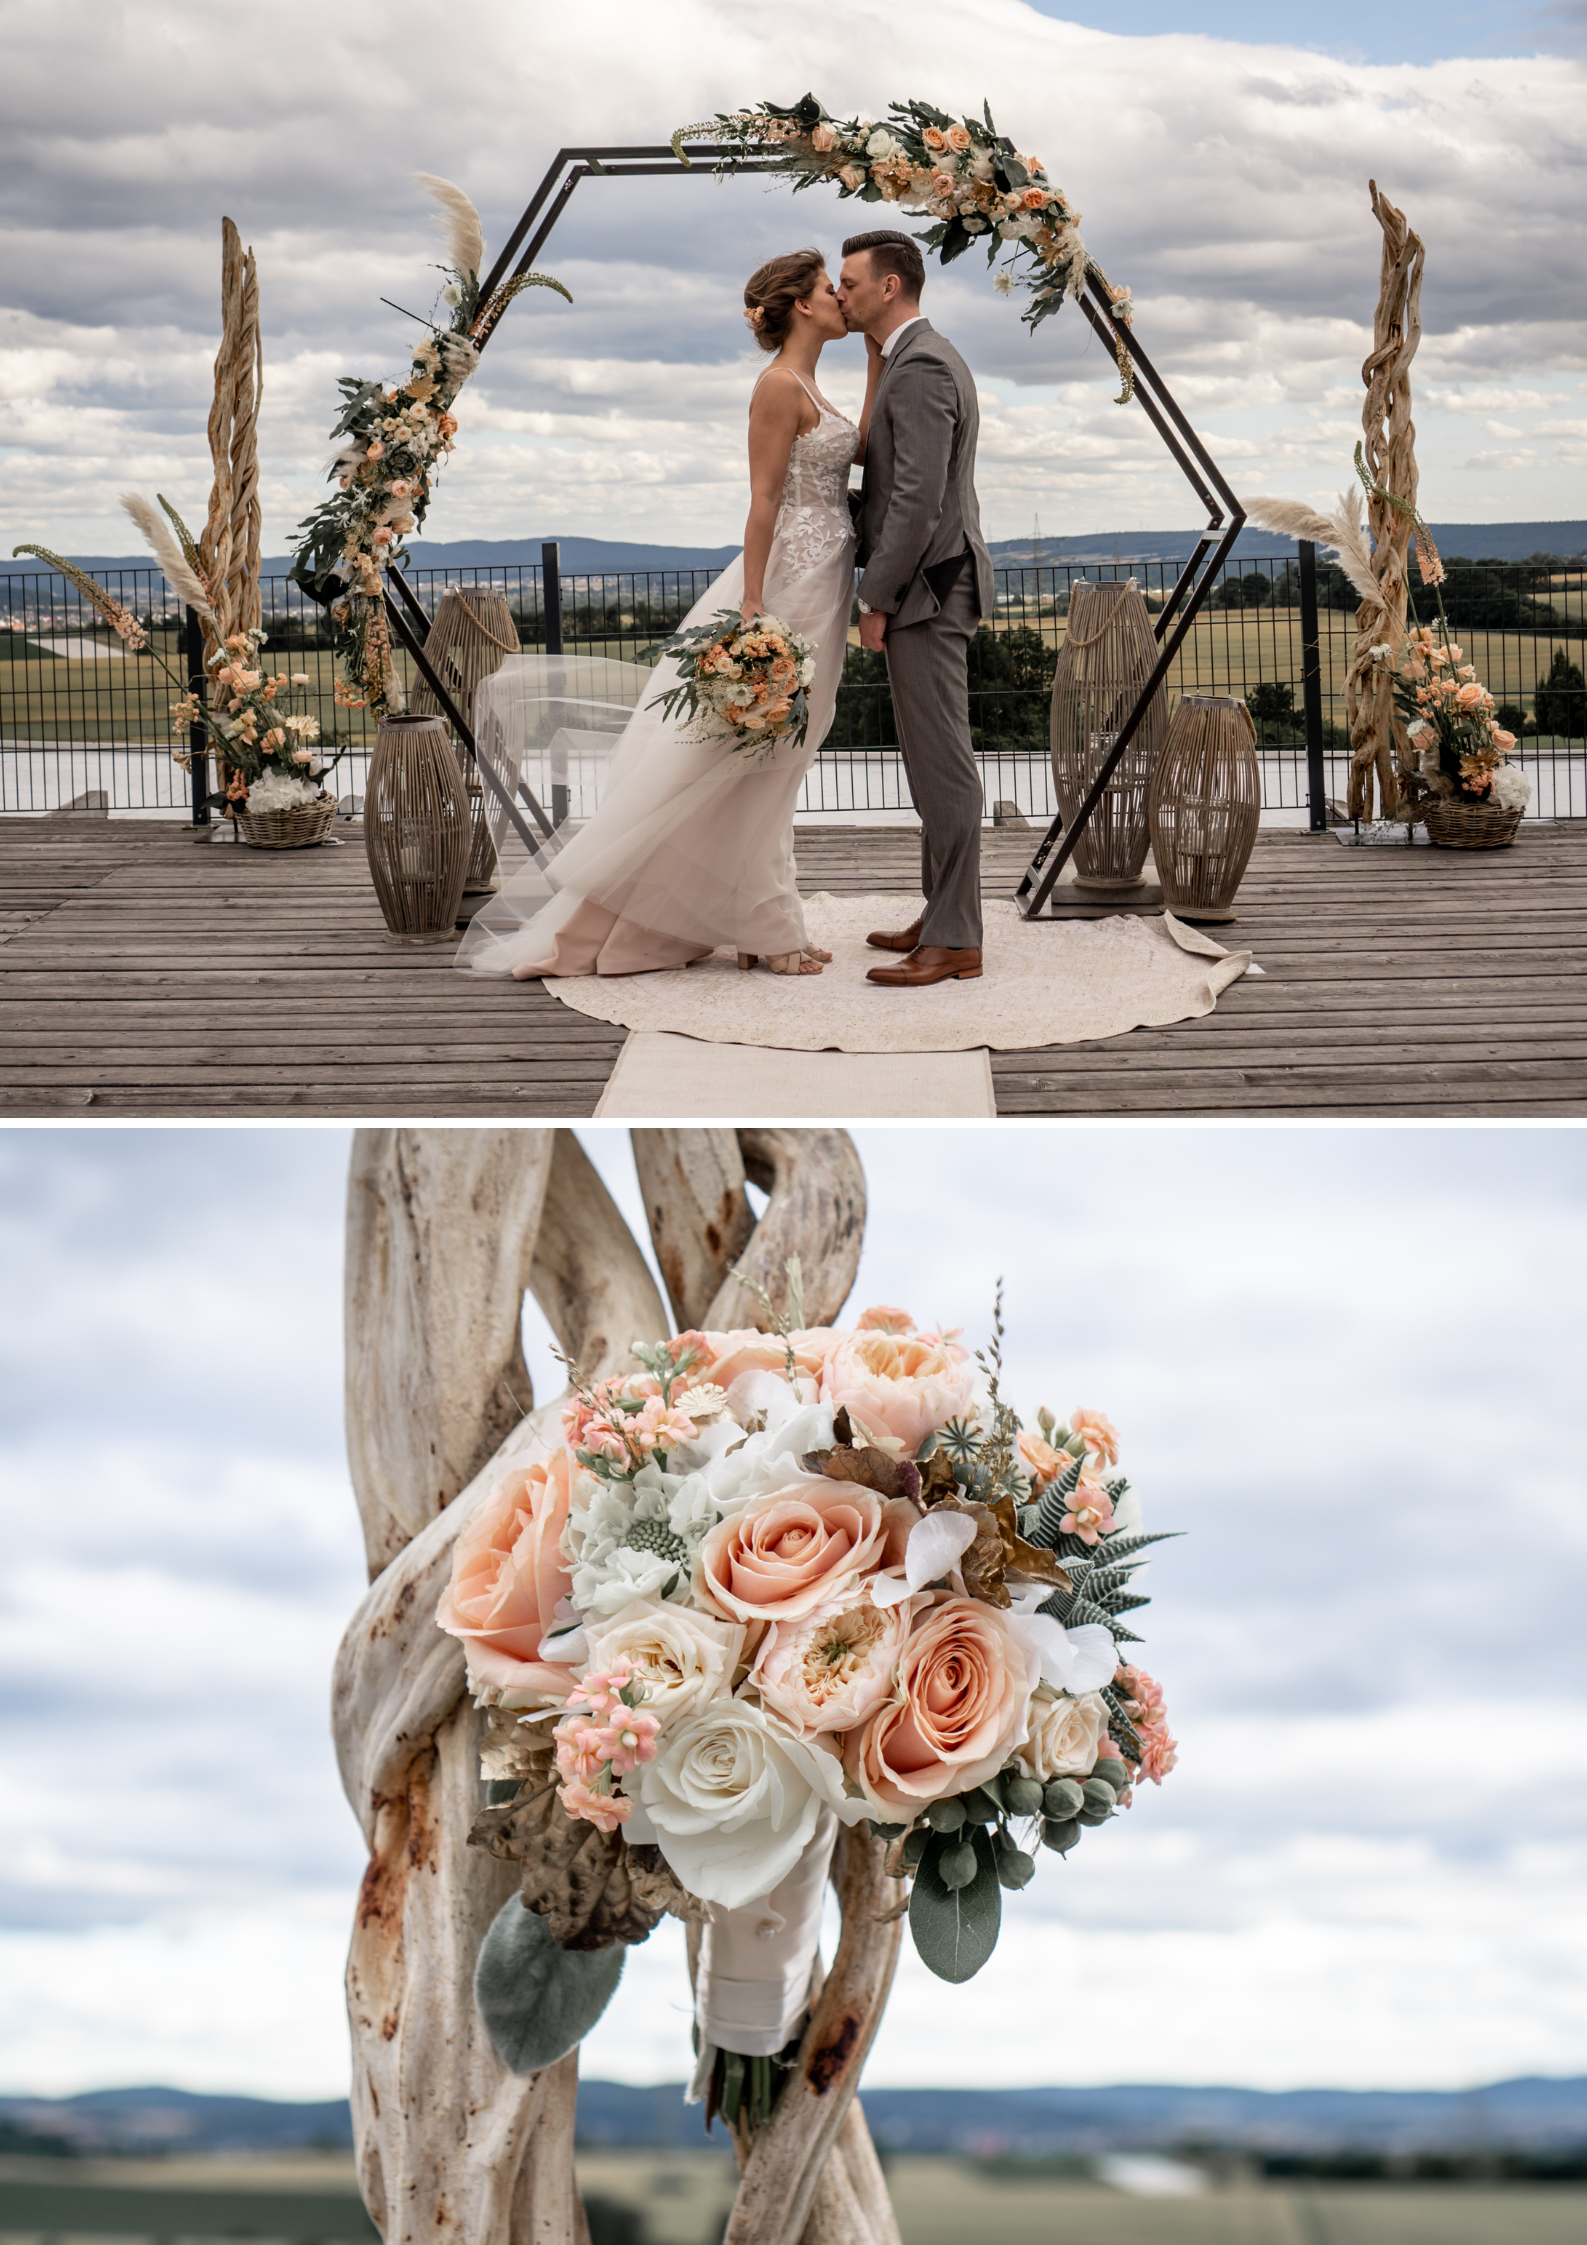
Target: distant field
(681, 2198)
(45, 697)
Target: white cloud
(1226, 180)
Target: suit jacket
(917, 511)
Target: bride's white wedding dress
(691, 847)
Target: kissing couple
(691, 848)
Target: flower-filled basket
(772, 1584)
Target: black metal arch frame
(1225, 516)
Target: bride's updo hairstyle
(771, 293)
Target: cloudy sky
(1220, 156)
(1345, 1361)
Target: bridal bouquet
(746, 684)
(772, 1583)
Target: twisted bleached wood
(229, 547)
(815, 1210)
(448, 2141)
(698, 1211)
(441, 1233)
(1390, 453)
(811, 2176)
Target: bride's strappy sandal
(785, 962)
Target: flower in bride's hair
(755, 314)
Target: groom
(926, 583)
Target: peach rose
(507, 1576)
(831, 1671)
(788, 1552)
(823, 139)
(902, 1386)
(961, 1706)
(934, 137)
(881, 1319)
(1033, 199)
(725, 1355)
(958, 138)
(1469, 695)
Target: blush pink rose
(832, 1670)
(507, 1576)
(791, 1551)
(960, 1707)
(726, 1355)
(899, 1385)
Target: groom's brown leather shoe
(905, 940)
(927, 965)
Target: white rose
(685, 1659)
(1064, 1736)
(881, 144)
(1510, 788)
(733, 1800)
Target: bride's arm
(874, 362)
(774, 415)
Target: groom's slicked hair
(892, 253)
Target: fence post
(551, 609)
(197, 737)
(1311, 690)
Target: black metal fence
(84, 722)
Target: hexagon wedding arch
(970, 182)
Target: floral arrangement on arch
(390, 438)
(775, 1582)
(960, 173)
(745, 684)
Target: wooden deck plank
(141, 975)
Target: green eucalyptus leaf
(537, 1999)
(956, 1930)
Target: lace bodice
(813, 518)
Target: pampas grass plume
(465, 238)
(183, 580)
(1342, 532)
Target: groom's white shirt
(902, 328)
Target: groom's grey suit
(926, 568)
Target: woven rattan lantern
(1103, 666)
(1206, 803)
(417, 829)
(472, 636)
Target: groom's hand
(873, 631)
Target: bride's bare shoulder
(779, 396)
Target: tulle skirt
(672, 846)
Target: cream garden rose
(682, 1658)
(733, 1799)
(1065, 1736)
(831, 1671)
(899, 1386)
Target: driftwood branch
(699, 1214)
(1389, 449)
(445, 1231)
(815, 1210)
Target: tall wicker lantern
(471, 637)
(1206, 803)
(417, 829)
(1103, 666)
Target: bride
(692, 847)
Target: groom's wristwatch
(866, 609)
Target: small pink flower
(1159, 1754)
(1090, 1514)
(631, 1739)
(1100, 1433)
(606, 1811)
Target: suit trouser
(928, 670)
